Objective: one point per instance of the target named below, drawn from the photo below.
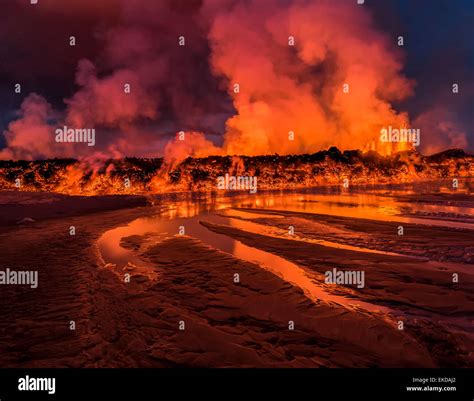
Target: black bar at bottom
(237, 384)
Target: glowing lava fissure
(141, 175)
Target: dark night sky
(439, 47)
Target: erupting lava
(148, 176)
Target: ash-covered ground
(182, 305)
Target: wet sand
(434, 310)
(16, 206)
(424, 241)
(226, 324)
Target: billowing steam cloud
(276, 68)
(30, 137)
(445, 131)
(299, 89)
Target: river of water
(187, 214)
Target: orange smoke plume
(287, 67)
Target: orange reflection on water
(188, 213)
